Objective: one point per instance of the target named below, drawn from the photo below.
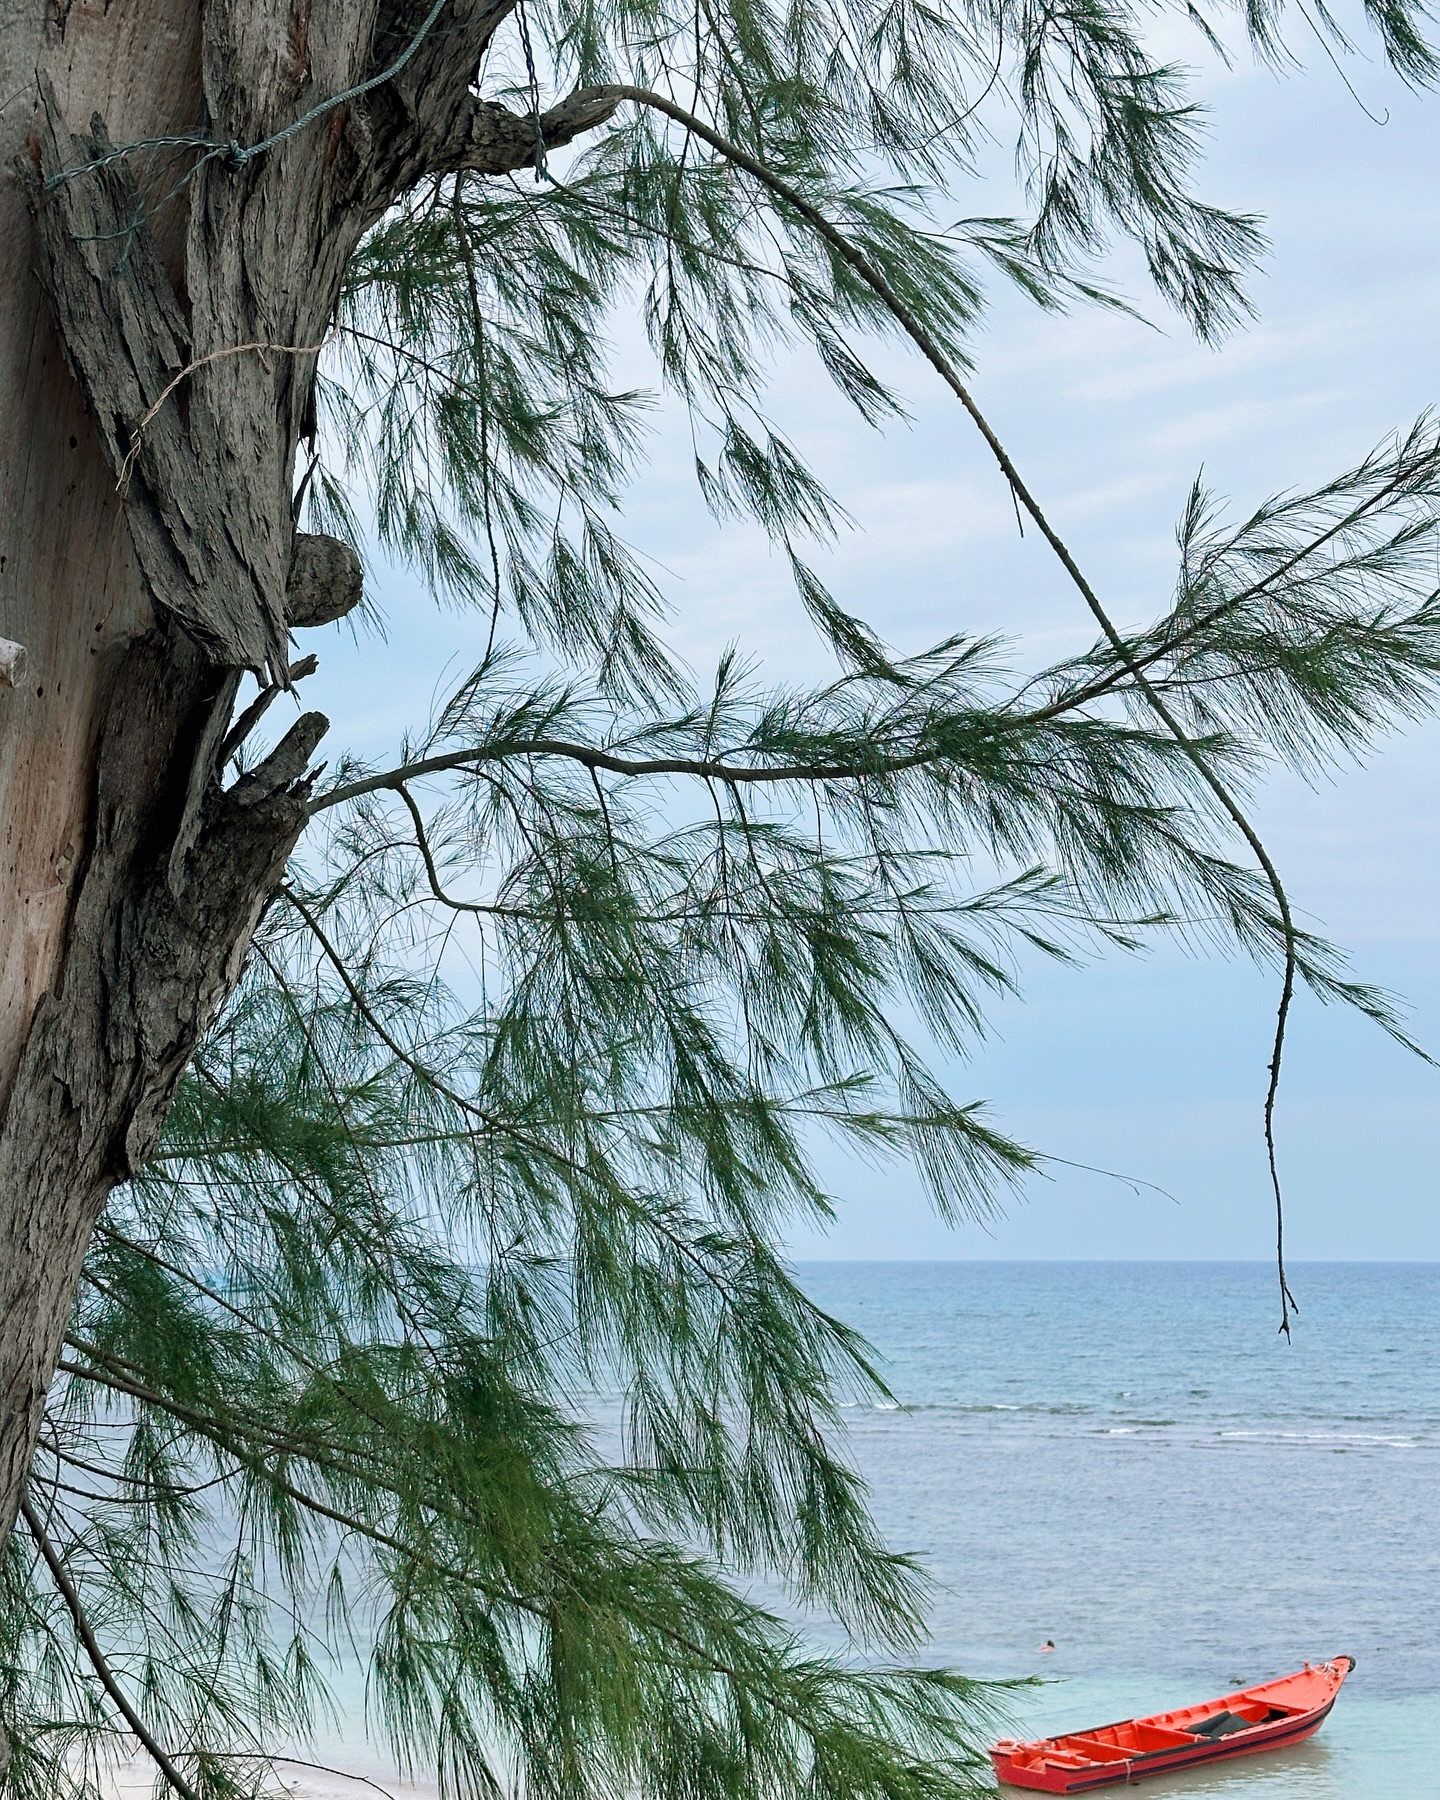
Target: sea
(1128, 1461)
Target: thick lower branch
(591, 757)
(496, 141)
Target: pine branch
(521, 1083)
(759, 1682)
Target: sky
(1148, 1068)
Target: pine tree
(358, 1126)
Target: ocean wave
(1275, 1435)
(974, 1409)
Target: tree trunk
(92, 738)
(161, 310)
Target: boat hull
(1270, 1716)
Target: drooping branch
(422, 844)
(222, 1433)
(60, 1575)
(930, 348)
(483, 1117)
(591, 757)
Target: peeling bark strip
(127, 339)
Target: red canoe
(1267, 1717)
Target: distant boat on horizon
(1270, 1716)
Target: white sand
(136, 1781)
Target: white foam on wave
(1275, 1435)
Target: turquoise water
(1126, 1458)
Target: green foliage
(447, 1335)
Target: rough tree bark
(161, 312)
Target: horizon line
(1229, 1262)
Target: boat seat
(1223, 1724)
(1093, 1750)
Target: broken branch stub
(13, 661)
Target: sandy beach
(298, 1781)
